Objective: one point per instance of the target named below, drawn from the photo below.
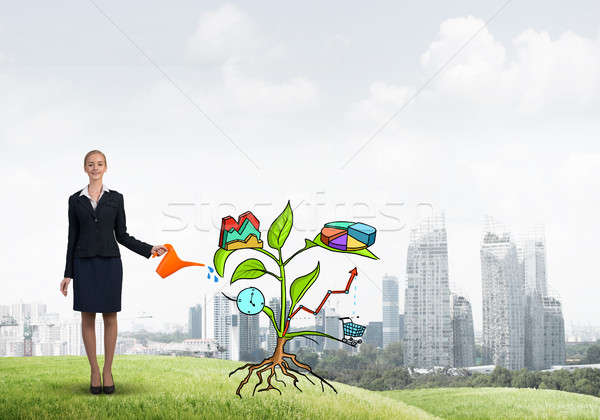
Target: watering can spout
(171, 262)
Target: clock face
(250, 301)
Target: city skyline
(519, 140)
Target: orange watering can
(171, 262)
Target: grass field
(167, 387)
(500, 403)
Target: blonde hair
(91, 152)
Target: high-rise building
(427, 323)
(534, 331)
(195, 322)
(275, 305)
(463, 334)
(222, 326)
(401, 326)
(319, 326)
(248, 336)
(333, 327)
(532, 259)
(391, 310)
(554, 332)
(374, 334)
(503, 298)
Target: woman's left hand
(159, 249)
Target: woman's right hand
(64, 285)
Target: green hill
(168, 387)
(500, 403)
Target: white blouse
(86, 192)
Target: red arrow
(353, 273)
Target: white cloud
(223, 33)
(534, 74)
(230, 38)
(383, 99)
(294, 94)
(542, 73)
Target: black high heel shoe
(109, 389)
(95, 389)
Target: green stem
(264, 251)
(273, 274)
(294, 254)
(283, 294)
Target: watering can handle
(155, 254)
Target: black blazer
(93, 232)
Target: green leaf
(363, 252)
(220, 258)
(271, 315)
(248, 269)
(300, 333)
(280, 228)
(309, 244)
(301, 285)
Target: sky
(368, 113)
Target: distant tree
(525, 379)
(253, 356)
(585, 386)
(392, 355)
(310, 357)
(592, 354)
(501, 377)
(480, 380)
(368, 354)
(584, 378)
(563, 380)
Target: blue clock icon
(250, 301)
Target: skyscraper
(195, 322)
(248, 336)
(532, 258)
(554, 332)
(275, 305)
(319, 326)
(427, 323)
(503, 298)
(391, 310)
(374, 334)
(222, 326)
(463, 334)
(333, 327)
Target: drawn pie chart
(348, 236)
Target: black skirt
(97, 284)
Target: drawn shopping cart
(352, 330)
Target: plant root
(269, 365)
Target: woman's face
(95, 166)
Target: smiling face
(95, 166)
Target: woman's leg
(110, 342)
(88, 331)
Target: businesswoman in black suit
(96, 218)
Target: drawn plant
(254, 268)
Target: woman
(94, 263)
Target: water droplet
(210, 269)
(208, 276)
(216, 279)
